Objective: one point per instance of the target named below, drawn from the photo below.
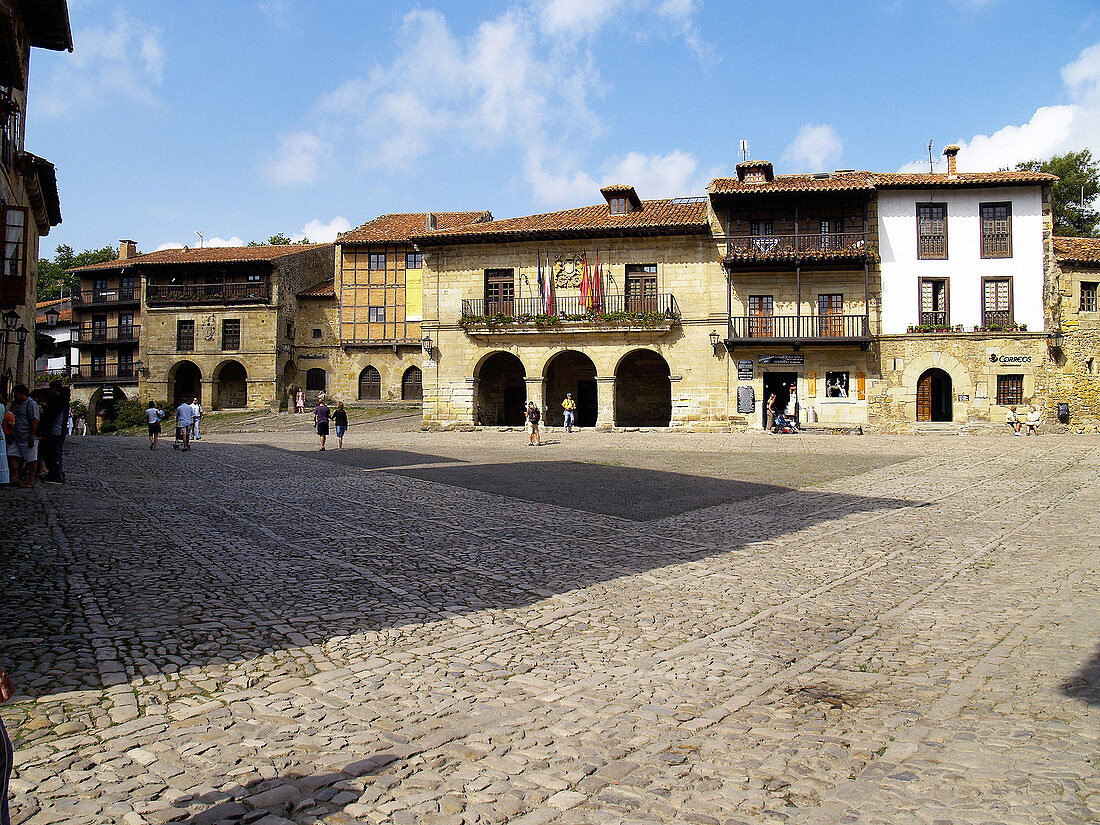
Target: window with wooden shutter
(933, 302)
(13, 279)
(931, 231)
(996, 302)
(996, 230)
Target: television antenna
(744, 149)
(931, 166)
(200, 238)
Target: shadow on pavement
(1085, 683)
(165, 561)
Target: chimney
(951, 151)
(430, 222)
(126, 249)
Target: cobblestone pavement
(629, 628)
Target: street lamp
(714, 338)
(426, 344)
(53, 314)
(11, 318)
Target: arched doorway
(643, 391)
(934, 396)
(501, 391)
(290, 384)
(103, 409)
(574, 373)
(316, 383)
(184, 382)
(370, 385)
(412, 385)
(231, 386)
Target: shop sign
(964, 398)
(781, 359)
(1009, 359)
(745, 370)
(108, 393)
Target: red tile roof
(62, 305)
(207, 255)
(325, 289)
(399, 227)
(667, 217)
(867, 181)
(1077, 250)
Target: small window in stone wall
(1010, 390)
(376, 315)
(316, 332)
(315, 379)
(836, 385)
(1088, 296)
(231, 333)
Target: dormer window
(618, 206)
(756, 176)
(621, 199)
(755, 171)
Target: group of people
(1034, 419)
(188, 415)
(533, 416)
(32, 438)
(323, 415)
(783, 419)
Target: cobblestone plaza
(614, 628)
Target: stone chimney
(126, 249)
(951, 152)
(430, 222)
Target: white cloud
(1051, 130)
(658, 176)
(206, 242)
(277, 11)
(319, 232)
(297, 160)
(123, 59)
(523, 82)
(815, 147)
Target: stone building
(1077, 332)
(364, 337)
(106, 315)
(219, 323)
(29, 203)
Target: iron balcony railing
(573, 306)
(933, 319)
(824, 328)
(255, 292)
(932, 247)
(103, 373)
(97, 297)
(88, 334)
(996, 244)
(831, 244)
(996, 319)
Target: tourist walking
(1012, 419)
(570, 408)
(59, 429)
(185, 417)
(773, 408)
(154, 415)
(340, 419)
(196, 408)
(320, 421)
(300, 401)
(1034, 419)
(533, 418)
(27, 414)
(5, 476)
(7, 752)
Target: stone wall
(1078, 373)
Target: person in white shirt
(1034, 419)
(196, 408)
(153, 416)
(185, 417)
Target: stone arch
(643, 390)
(184, 382)
(910, 378)
(96, 405)
(570, 371)
(934, 396)
(501, 390)
(230, 386)
(290, 384)
(370, 384)
(316, 383)
(412, 385)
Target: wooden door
(924, 397)
(641, 288)
(760, 316)
(830, 308)
(500, 292)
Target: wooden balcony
(613, 313)
(252, 292)
(89, 334)
(106, 297)
(785, 250)
(799, 330)
(104, 374)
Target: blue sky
(244, 119)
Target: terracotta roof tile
(866, 181)
(62, 304)
(325, 289)
(207, 255)
(1077, 250)
(656, 216)
(399, 227)
(938, 179)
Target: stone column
(534, 392)
(605, 401)
(472, 385)
(206, 393)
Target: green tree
(278, 239)
(51, 272)
(1078, 172)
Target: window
(830, 309)
(1010, 390)
(255, 277)
(99, 365)
(996, 302)
(185, 336)
(761, 323)
(996, 230)
(289, 329)
(1088, 296)
(99, 327)
(231, 333)
(126, 288)
(125, 326)
(376, 315)
(315, 379)
(370, 385)
(618, 206)
(836, 385)
(500, 291)
(126, 364)
(931, 231)
(641, 287)
(378, 260)
(933, 302)
(412, 385)
(762, 232)
(316, 333)
(414, 260)
(15, 251)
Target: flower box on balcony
(1000, 327)
(935, 328)
(614, 319)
